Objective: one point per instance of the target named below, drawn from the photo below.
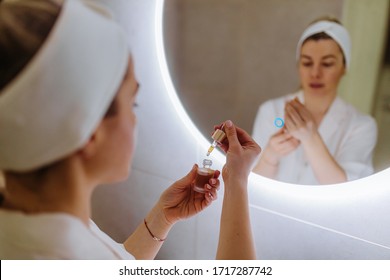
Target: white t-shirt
(349, 136)
(54, 236)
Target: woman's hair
(24, 26)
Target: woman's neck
(63, 189)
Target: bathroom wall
(346, 221)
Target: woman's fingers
(301, 109)
(293, 114)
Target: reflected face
(321, 67)
(120, 129)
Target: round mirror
(227, 57)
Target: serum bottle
(203, 175)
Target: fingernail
(229, 123)
(213, 181)
(208, 187)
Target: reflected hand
(180, 201)
(299, 122)
(280, 144)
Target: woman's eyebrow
(329, 56)
(305, 56)
(324, 57)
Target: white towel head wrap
(57, 101)
(334, 30)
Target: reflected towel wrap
(334, 30)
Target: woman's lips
(316, 85)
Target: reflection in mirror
(228, 57)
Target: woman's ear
(90, 148)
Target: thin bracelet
(151, 234)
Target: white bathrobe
(349, 136)
(54, 236)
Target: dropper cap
(218, 136)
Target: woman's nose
(316, 71)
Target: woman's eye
(307, 64)
(328, 64)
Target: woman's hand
(177, 202)
(299, 121)
(280, 144)
(180, 201)
(242, 152)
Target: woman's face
(321, 67)
(119, 131)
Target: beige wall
(229, 56)
(367, 22)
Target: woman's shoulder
(356, 117)
(48, 236)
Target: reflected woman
(324, 140)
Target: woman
(67, 91)
(324, 140)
